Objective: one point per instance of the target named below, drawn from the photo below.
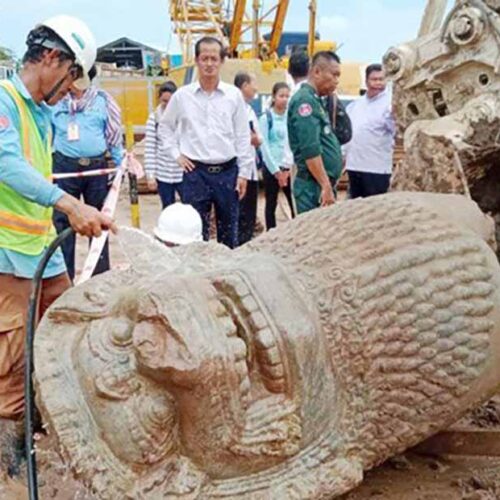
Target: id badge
(73, 132)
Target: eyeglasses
(75, 71)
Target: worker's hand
(241, 187)
(152, 184)
(327, 197)
(185, 163)
(255, 139)
(84, 219)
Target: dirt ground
(411, 476)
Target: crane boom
(237, 25)
(195, 18)
(278, 25)
(312, 27)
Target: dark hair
(298, 65)
(42, 40)
(372, 68)
(209, 40)
(169, 87)
(276, 88)
(241, 78)
(92, 72)
(325, 55)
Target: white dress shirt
(210, 128)
(371, 147)
(252, 118)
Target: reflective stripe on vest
(26, 227)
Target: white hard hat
(179, 224)
(78, 37)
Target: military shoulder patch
(305, 109)
(4, 122)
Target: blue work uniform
(76, 153)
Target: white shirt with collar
(210, 128)
(371, 147)
(252, 118)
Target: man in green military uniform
(315, 148)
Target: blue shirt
(92, 127)
(19, 175)
(273, 147)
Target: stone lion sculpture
(283, 369)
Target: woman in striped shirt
(163, 172)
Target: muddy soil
(406, 477)
(415, 477)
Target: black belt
(81, 162)
(215, 168)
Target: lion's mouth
(264, 358)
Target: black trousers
(94, 191)
(272, 189)
(203, 189)
(248, 213)
(364, 184)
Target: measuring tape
(129, 164)
(85, 173)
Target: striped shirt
(157, 162)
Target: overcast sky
(365, 28)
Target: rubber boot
(11, 446)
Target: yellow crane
(312, 27)
(235, 22)
(241, 25)
(192, 19)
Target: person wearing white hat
(179, 224)
(60, 51)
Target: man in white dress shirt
(247, 83)
(205, 127)
(369, 154)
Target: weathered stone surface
(447, 106)
(280, 370)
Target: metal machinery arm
(446, 101)
(433, 16)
